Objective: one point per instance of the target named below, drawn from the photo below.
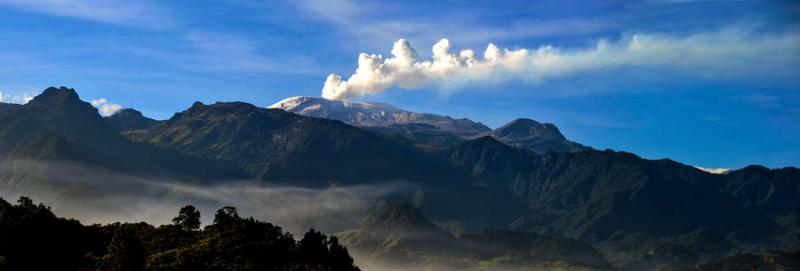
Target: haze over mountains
(522, 181)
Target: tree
(25, 202)
(314, 246)
(188, 218)
(339, 257)
(226, 215)
(124, 252)
(232, 243)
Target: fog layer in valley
(94, 195)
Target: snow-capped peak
(373, 114)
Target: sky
(714, 84)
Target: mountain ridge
(9, 106)
(612, 200)
(531, 135)
(73, 132)
(129, 119)
(278, 145)
(369, 114)
(430, 130)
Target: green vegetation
(33, 238)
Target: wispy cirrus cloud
(227, 54)
(369, 23)
(142, 13)
(234, 53)
(17, 62)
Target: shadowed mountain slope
(423, 135)
(615, 186)
(538, 137)
(776, 191)
(57, 134)
(8, 106)
(598, 196)
(129, 119)
(278, 146)
(398, 234)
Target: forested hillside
(33, 238)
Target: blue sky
(707, 83)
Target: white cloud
(131, 13)
(15, 98)
(734, 53)
(105, 107)
(714, 170)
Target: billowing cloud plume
(106, 108)
(734, 53)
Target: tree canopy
(33, 238)
(188, 218)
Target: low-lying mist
(94, 195)
(100, 195)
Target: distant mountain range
(525, 176)
(40, 141)
(430, 129)
(377, 115)
(130, 119)
(8, 106)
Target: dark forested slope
(33, 238)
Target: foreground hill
(400, 236)
(35, 239)
(764, 261)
